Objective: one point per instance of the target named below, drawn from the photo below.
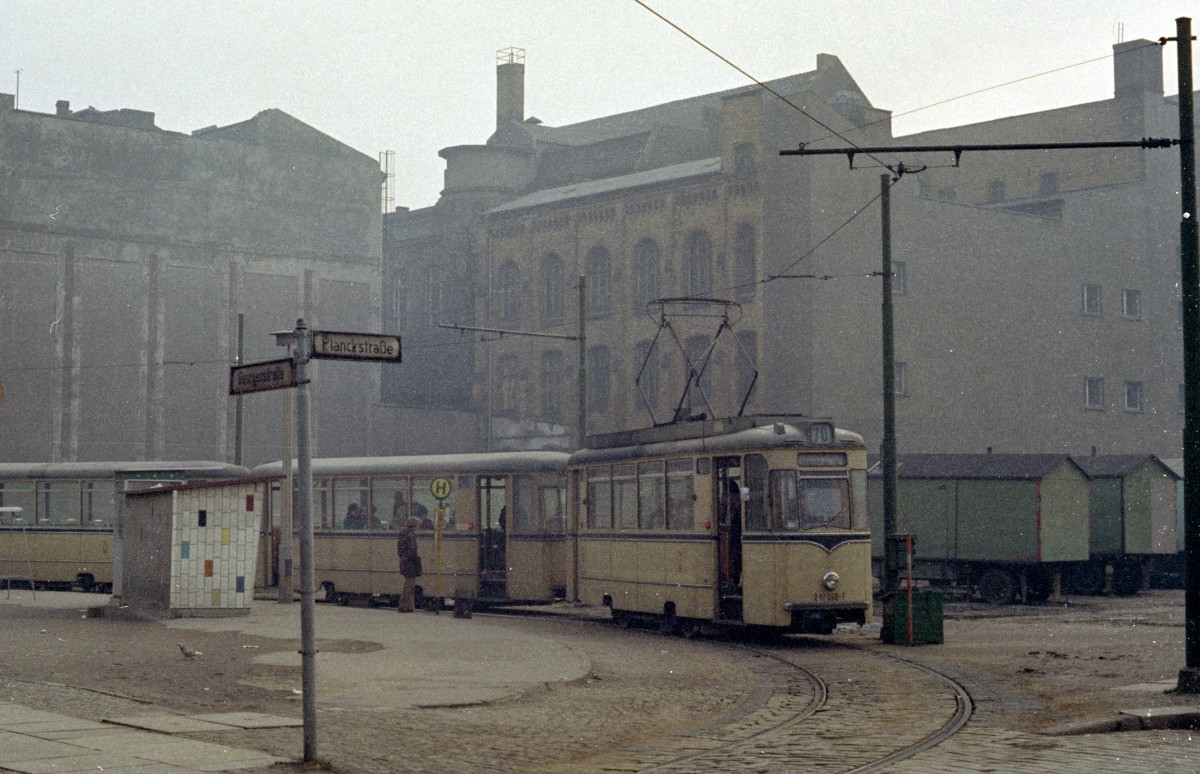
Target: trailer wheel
(1087, 578)
(86, 582)
(1127, 577)
(996, 586)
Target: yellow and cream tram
(57, 519)
(748, 521)
(493, 525)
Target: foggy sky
(415, 77)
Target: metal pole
(581, 387)
(1189, 265)
(888, 447)
(287, 586)
(308, 648)
(237, 416)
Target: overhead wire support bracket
(958, 150)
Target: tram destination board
(355, 346)
(259, 377)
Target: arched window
(552, 287)
(599, 378)
(745, 261)
(599, 279)
(646, 261)
(509, 386)
(698, 256)
(553, 384)
(508, 288)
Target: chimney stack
(510, 86)
(62, 108)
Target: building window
(1093, 393)
(599, 278)
(900, 375)
(552, 287)
(995, 191)
(1133, 396)
(1091, 300)
(433, 296)
(508, 288)
(646, 360)
(553, 384)
(646, 261)
(1131, 303)
(899, 278)
(698, 257)
(743, 158)
(509, 387)
(745, 261)
(1048, 184)
(598, 376)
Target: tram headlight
(830, 580)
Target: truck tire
(997, 586)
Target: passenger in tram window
(422, 515)
(410, 564)
(375, 522)
(355, 518)
(503, 521)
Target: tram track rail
(818, 706)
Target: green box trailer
(1000, 524)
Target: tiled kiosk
(190, 550)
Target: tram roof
(482, 462)
(125, 469)
(734, 434)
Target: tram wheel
(996, 586)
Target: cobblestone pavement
(649, 700)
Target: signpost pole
(308, 649)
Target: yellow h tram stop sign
(440, 488)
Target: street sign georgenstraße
(355, 346)
(258, 377)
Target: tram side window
(754, 478)
(99, 504)
(58, 503)
(17, 494)
(524, 505)
(808, 503)
(350, 504)
(858, 500)
(680, 495)
(554, 508)
(390, 498)
(599, 498)
(651, 495)
(425, 505)
(322, 516)
(625, 496)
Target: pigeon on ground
(188, 652)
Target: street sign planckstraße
(258, 377)
(355, 346)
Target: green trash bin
(926, 618)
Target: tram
(757, 522)
(57, 519)
(493, 526)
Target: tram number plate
(829, 596)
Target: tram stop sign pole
(292, 373)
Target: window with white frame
(1093, 393)
(1092, 300)
(1133, 396)
(1131, 303)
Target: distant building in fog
(127, 253)
(1035, 294)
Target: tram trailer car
(1135, 513)
(744, 522)
(57, 519)
(1004, 525)
(502, 538)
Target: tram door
(727, 499)
(493, 529)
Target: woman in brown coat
(410, 563)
